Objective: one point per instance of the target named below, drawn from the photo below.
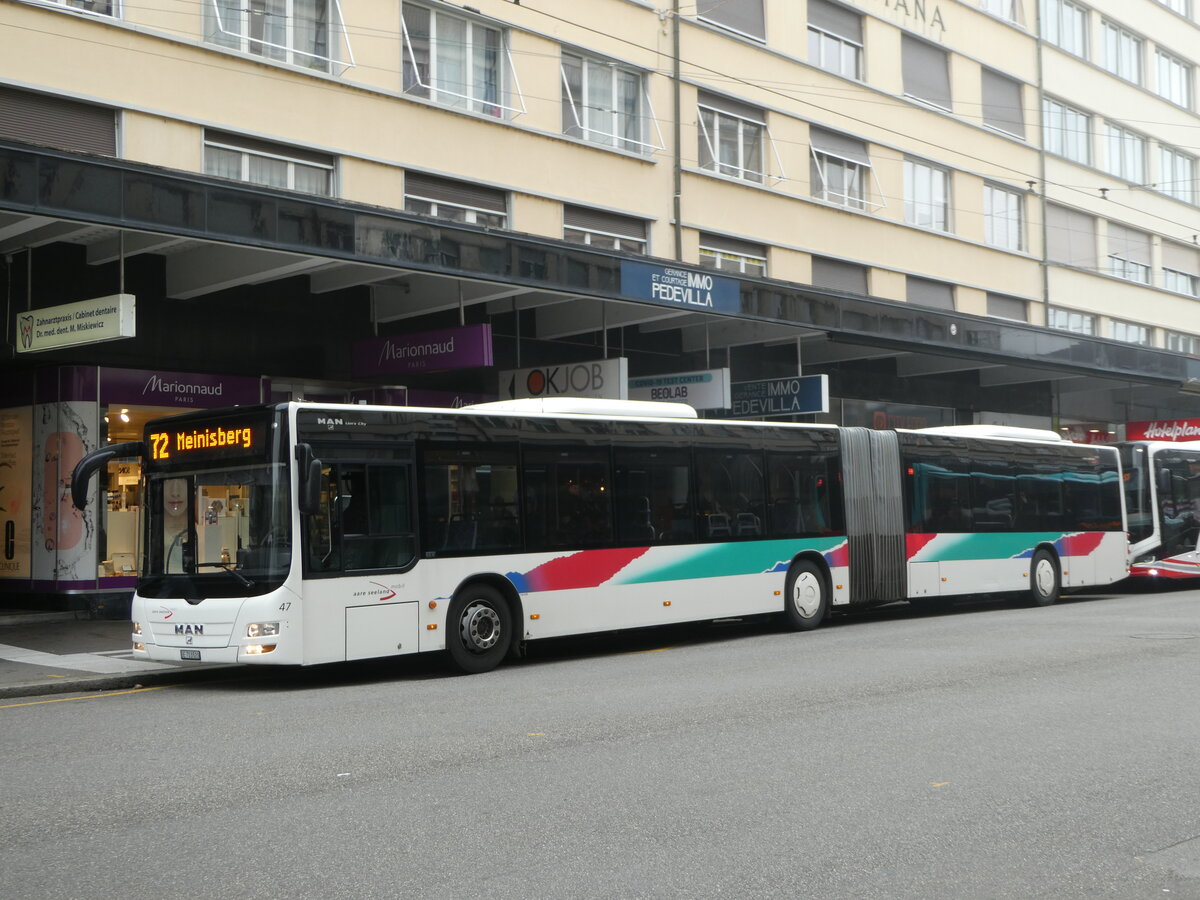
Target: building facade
(954, 210)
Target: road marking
(82, 662)
(90, 696)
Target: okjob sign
(780, 397)
(682, 288)
(708, 389)
(603, 378)
(71, 324)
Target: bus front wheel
(807, 597)
(480, 629)
(1045, 583)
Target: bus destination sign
(206, 441)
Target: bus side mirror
(309, 470)
(82, 474)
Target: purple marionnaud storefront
(138, 388)
(465, 347)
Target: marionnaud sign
(160, 388)
(425, 351)
(603, 378)
(683, 288)
(708, 389)
(71, 324)
(795, 396)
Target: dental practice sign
(685, 289)
(72, 324)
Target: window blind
(924, 292)
(1070, 237)
(926, 72)
(835, 19)
(57, 122)
(1002, 108)
(461, 193)
(745, 16)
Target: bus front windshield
(216, 532)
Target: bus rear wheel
(807, 601)
(480, 629)
(1045, 582)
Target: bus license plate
(189, 654)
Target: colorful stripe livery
(645, 565)
(1019, 545)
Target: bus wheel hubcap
(480, 627)
(1045, 577)
(806, 594)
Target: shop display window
(121, 497)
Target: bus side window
(377, 521)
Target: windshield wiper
(227, 567)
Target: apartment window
(1012, 10)
(272, 165)
(835, 41)
(840, 168)
(605, 103)
(1177, 174)
(1003, 218)
(1065, 25)
(300, 32)
(732, 138)
(839, 275)
(1130, 333)
(98, 7)
(1180, 268)
(1125, 154)
(926, 195)
(604, 230)
(1174, 79)
(1183, 343)
(923, 292)
(457, 201)
(1179, 282)
(1066, 131)
(454, 61)
(1002, 106)
(742, 16)
(1070, 237)
(1122, 53)
(731, 255)
(926, 71)
(1074, 322)
(1004, 307)
(57, 122)
(1128, 253)
(1183, 7)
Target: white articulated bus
(1162, 499)
(304, 533)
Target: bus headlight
(257, 649)
(262, 629)
(137, 627)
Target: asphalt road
(988, 752)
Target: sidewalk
(66, 652)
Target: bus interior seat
(748, 524)
(718, 525)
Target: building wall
(154, 65)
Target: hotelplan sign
(86, 322)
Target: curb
(149, 678)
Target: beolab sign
(71, 324)
(707, 389)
